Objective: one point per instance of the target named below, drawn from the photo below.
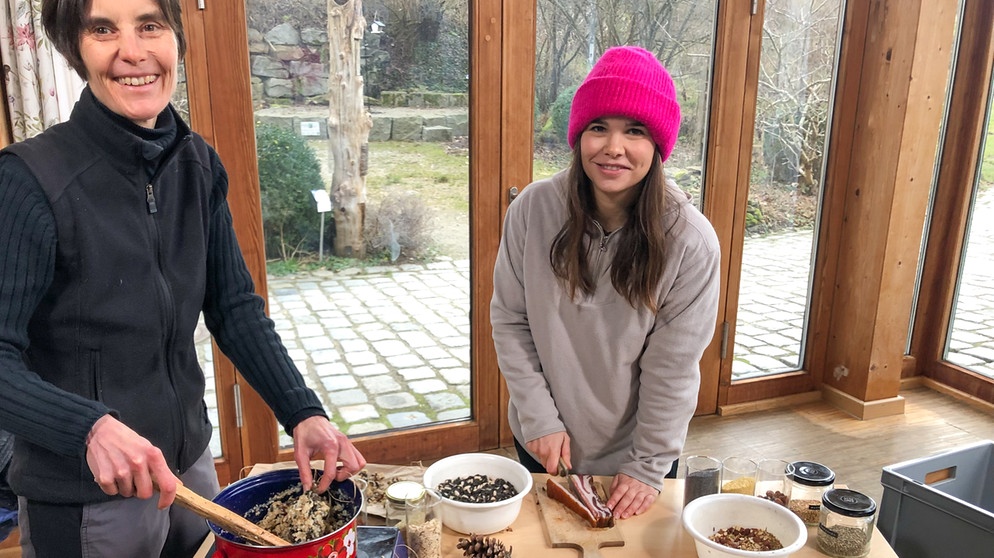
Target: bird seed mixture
(746, 538)
(297, 516)
(477, 489)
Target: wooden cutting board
(565, 529)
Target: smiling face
(616, 154)
(130, 54)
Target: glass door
(952, 340)
(970, 342)
(793, 108)
(374, 296)
(376, 312)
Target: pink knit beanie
(628, 81)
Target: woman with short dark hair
(117, 235)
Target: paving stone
(444, 400)
(392, 401)
(380, 384)
(360, 358)
(390, 347)
(347, 397)
(432, 352)
(315, 344)
(417, 373)
(455, 376)
(418, 339)
(365, 427)
(345, 333)
(404, 361)
(454, 414)
(370, 370)
(356, 413)
(411, 418)
(339, 383)
(324, 355)
(444, 363)
(426, 386)
(378, 334)
(332, 369)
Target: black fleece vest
(117, 324)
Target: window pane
(971, 337)
(384, 339)
(796, 82)
(571, 35)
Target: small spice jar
(846, 523)
(423, 533)
(397, 495)
(809, 481)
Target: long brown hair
(637, 265)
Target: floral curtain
(41, 87)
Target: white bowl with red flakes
(481, 518)
(705, 516)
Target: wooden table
(657, 533)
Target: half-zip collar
(145, 146)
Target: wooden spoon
(225, 518)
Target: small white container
(708, 514)
(486, 518)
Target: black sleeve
(236, 317)
(29, 406)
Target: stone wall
(389, 124)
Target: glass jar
(397, 496)
(809, 481)
(846, 523)
(423, 532)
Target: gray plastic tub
(941, 506)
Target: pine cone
(477, 546)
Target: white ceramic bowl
(480, 519)
(706, 515)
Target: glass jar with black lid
(809, 481)
(846, 525)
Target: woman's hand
(317, 436)
(124, 463)
(549, 449)
(630, 496)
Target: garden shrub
(559, 113)
(288, 171)
(399, 225)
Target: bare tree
(559, 44)
(795, 88)
(348, 125)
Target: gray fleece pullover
(620, 381)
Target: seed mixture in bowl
(477, 489)
(298, 516)
(747, 538)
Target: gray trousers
(121, 528)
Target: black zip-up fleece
(102, 294)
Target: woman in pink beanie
(606, 292)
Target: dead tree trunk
(348, 125)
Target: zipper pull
(604, 243)
(150, 198)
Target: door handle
(512, 193)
